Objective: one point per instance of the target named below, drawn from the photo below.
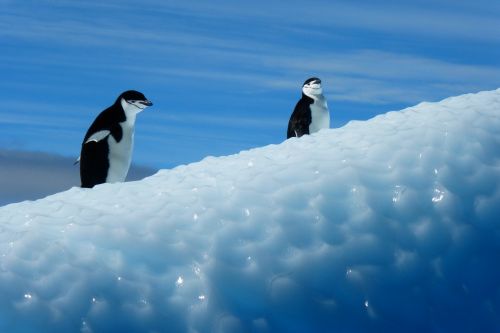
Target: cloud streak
(232, 57)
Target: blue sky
(224, 75)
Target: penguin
(311, 112)
(107, 146)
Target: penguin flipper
(77, 160)
(98, 136)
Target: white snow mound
(391, 224)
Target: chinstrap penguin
(107, 147)
(311, 112)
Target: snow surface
(386, 225)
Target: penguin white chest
(120, 154)
(320, 116)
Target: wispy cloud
(374, 76)
(443, 19)
(192, 22)
(364, 75)
(39, 113)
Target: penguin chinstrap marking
(311, 112)
(107, 147)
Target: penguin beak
(146, 103)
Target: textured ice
(392, 224)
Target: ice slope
(388, 225)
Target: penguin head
(133, 102)
(312, 87)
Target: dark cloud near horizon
(34, 175)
